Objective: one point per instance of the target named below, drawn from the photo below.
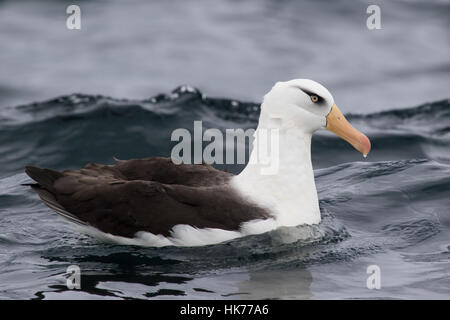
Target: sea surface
(137, 70)
(390, 209)
(229, 48)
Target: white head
(306, 104)
(297, 108)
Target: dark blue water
(390, 210)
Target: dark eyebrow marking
(309, 93)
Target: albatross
(156, 202)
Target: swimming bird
(156, 202)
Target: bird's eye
(314, 98)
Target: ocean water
(235, 49)
(391, 209)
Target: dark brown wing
(165, 171)
(107, 197)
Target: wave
(187, 99)
(72, 130)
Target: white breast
(290, 194)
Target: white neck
(289, 193)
